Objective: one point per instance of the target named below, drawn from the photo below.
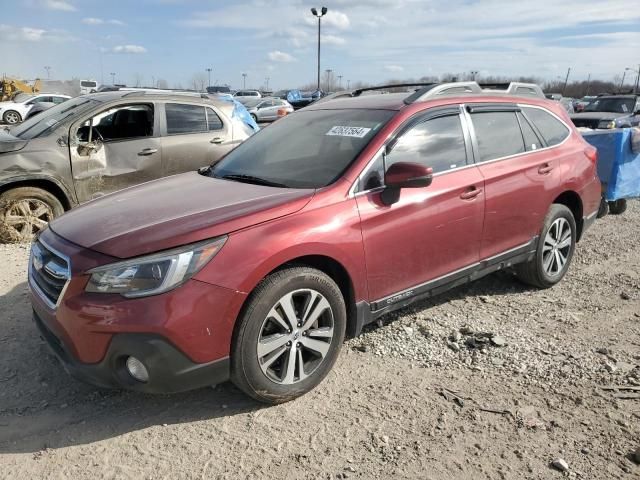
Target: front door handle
(471, 193)
(545, 169)
(216, 140)
(147, 151)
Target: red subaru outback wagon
(255, 269)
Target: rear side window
(437, 143)
(531, 140)
(213, 120)
(183, 118)
(552, 129)
(498, 134)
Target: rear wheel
(555, 250)
(618, 207)
(11, 117)
(255, 118)
(25, 211)
(289, 336)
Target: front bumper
(169, 369)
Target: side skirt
(369, 312)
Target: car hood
(598, 115)
(174, 211)
(9, 143)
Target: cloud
(336, 19)
(393, 68)
(332, 40)
(124, 49)
(100, 21)
(61, 5)
(278, 56)
(10, 33)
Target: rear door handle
(544, 169)
(147, 151)
(216, 140)
(470, 193)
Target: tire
(261, 370)
(540, 271)
(25, 211)
(618, 207)
(255, 117)
(603, 209)
(11, 117)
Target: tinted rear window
(552, 129)
(498, 134)
(185, 118)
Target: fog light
(137, 369)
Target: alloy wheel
(24, 218)
(11, 118)
(295, 337)
(557, 246)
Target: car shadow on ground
(41, 406)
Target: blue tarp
(618, 165)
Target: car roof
(204, 98)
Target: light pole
(348, 84)
(588, 84)
(473, 75)
(339, 82)
(113, 78)
(244, 81)
(637, 72)
(329, 71)
(266, 81)
(624, 74)
(209, 72)
(323, 12)
(48, 69)
(566, 79)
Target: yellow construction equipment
(10, 87)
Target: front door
(194, 136)
(429, 232)
(117, 148)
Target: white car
(14, 111)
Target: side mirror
(404, 175)
(86, 149)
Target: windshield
(45, 122)
(617, 105)
(22, 97)
(308, 149)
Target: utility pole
(329, 71)
(622, 82)
(48, 69)
(209, 72)
(588, 85)
(315, 13)
(566, 80)
(637, 72)
(113, 78)
(244, 81)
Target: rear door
(430, 232)
(194, 136)
(116, 148)
(521, 175)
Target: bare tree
(138, 79)
(199, 80)
(162, 83)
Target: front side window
(437, 143)
(310, 149)
(183, 118)
(552, 129)
(498, 134)
(119, 123)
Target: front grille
(586, 122)
(49, 272)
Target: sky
(142, 41)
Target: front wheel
(11, 117)
(289, 335)
(555, 249)
(25, 211)
(255, 118)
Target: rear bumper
(169, 369)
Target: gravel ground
(492, 380)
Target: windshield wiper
(251, 179)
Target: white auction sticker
(341, 131)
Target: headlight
(607, 124)
(153, 274)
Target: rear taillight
(592, 153)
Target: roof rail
(473, 88)
(359, 91)
(132, 92)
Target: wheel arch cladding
(44, 184)
(573, 202)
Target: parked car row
(16, 110)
